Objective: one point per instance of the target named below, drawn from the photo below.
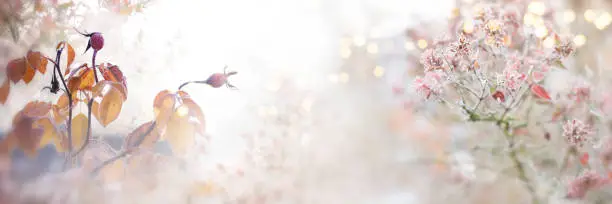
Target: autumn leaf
(163, 106)
(16, 69)
(148, 141)
(50, 134)
(70, 50)
(5, 89)
(113, 73)
(60, 108)
(37, 61)
(102, 87)
(82, 80)
(540, 92)
(196, 112)
(79, 130)
(28, 137)
(95, 106)
(110, 106)
(180, 132)
(29, 74)
(37, 109)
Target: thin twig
(126, 151)
(189, 82)
(69, 94)
(93, 65)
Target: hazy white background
(266, 41)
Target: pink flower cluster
(589, 180)
(429, 85)
(576, 132)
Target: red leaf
(540, 92)
(584, 159)
(16, 69)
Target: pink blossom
(512, 79)
(589, 180)
(576, 132)
(430, 84)
(430, 60)
(580, 92)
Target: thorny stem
(126, 151)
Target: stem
(126, 151)
(69, 121)
(189, 82)
(93, 64)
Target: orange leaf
(79, 130)
(29, 74)
(16, 69)
(113, 73)
(180, 132)
(148, 141)
(71, 55)
(101, 87)
(37, 61)
(5, 89)
(110, 106)
(540, 92)
(81, 81)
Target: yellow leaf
(110, 106)
(163, 106)
(79, 130)
(50, 134)
(180, 132)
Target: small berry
(97, 41)
(219, 79)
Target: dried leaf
(50, 134)
(37, 61)
(29, 74)
(28, 137)
(79, 130)
(5, 89)
(540, 92)
(103, 86)
(37, 109)
(163, 106)
(110, 106)
(82, 80)
(16, 69)
(95, 107)
(180, 132)
(196, 112)
(148, 141)
(71, 55)
(113, 73)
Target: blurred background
(323, 86)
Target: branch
(69, 94)
(126, 151)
